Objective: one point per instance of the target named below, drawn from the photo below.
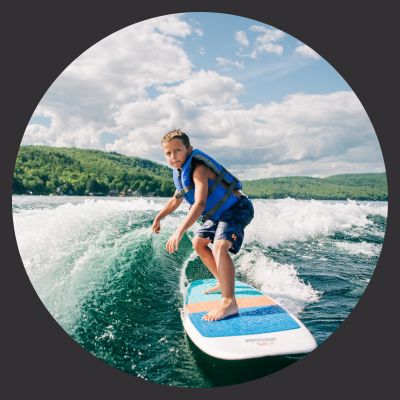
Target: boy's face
(176, 152)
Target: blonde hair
(176, 134)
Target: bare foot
(214, 289)
(226, 308)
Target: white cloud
(61, 132)
(139, 114)
(241, 38)
(265, 42)
(306, 51)
(326, 167)
(199, 32)
(135, 57)
(269, 34)
(107, 89)
(301, 135)
(269, 47)
(304, 134)
(226, 63)
(118, 69)
(207, 87)
(169, 25)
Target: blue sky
(279, 75)
(254, 97)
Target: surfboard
(261, 328)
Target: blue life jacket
(219, 198)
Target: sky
(255, 98)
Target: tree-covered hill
(336, 187)
(53, 170)
(72, 171)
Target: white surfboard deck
(262, 327)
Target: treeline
(71, 171)
(337, 187)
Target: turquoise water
(115, 290)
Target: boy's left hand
(173, 242)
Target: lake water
(115, 290)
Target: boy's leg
(226, 273)
(205, 236)
(200, 245)
(229, 237)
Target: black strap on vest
(182, 192)
(210, 213)
(217, 181)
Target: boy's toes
(214, 289)
(208, 317)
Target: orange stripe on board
(243, 302)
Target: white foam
(361, 248)
(278, 221)
(67, 250)
(183, 280)
(280, 281)
(45, 234)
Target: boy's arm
(200, 198)
(172, 204)
(200, 180)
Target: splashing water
(115, 290)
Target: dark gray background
(38, 359)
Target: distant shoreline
(167, 197)
(44, 170)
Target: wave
(285, 220)
(280, 281)
(69, 245)
(111, 284)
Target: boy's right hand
(156, 226)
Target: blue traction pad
(195, 291)
(249, 321)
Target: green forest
(43, 170)
(337, 187)
(72, 171)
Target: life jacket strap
(211, 212)
(186, 189)
(218, 180)
(182, 192)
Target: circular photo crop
(200, 200)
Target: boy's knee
(200, 243)
(221, 245)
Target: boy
(214, 194)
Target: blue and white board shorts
(231, 224)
